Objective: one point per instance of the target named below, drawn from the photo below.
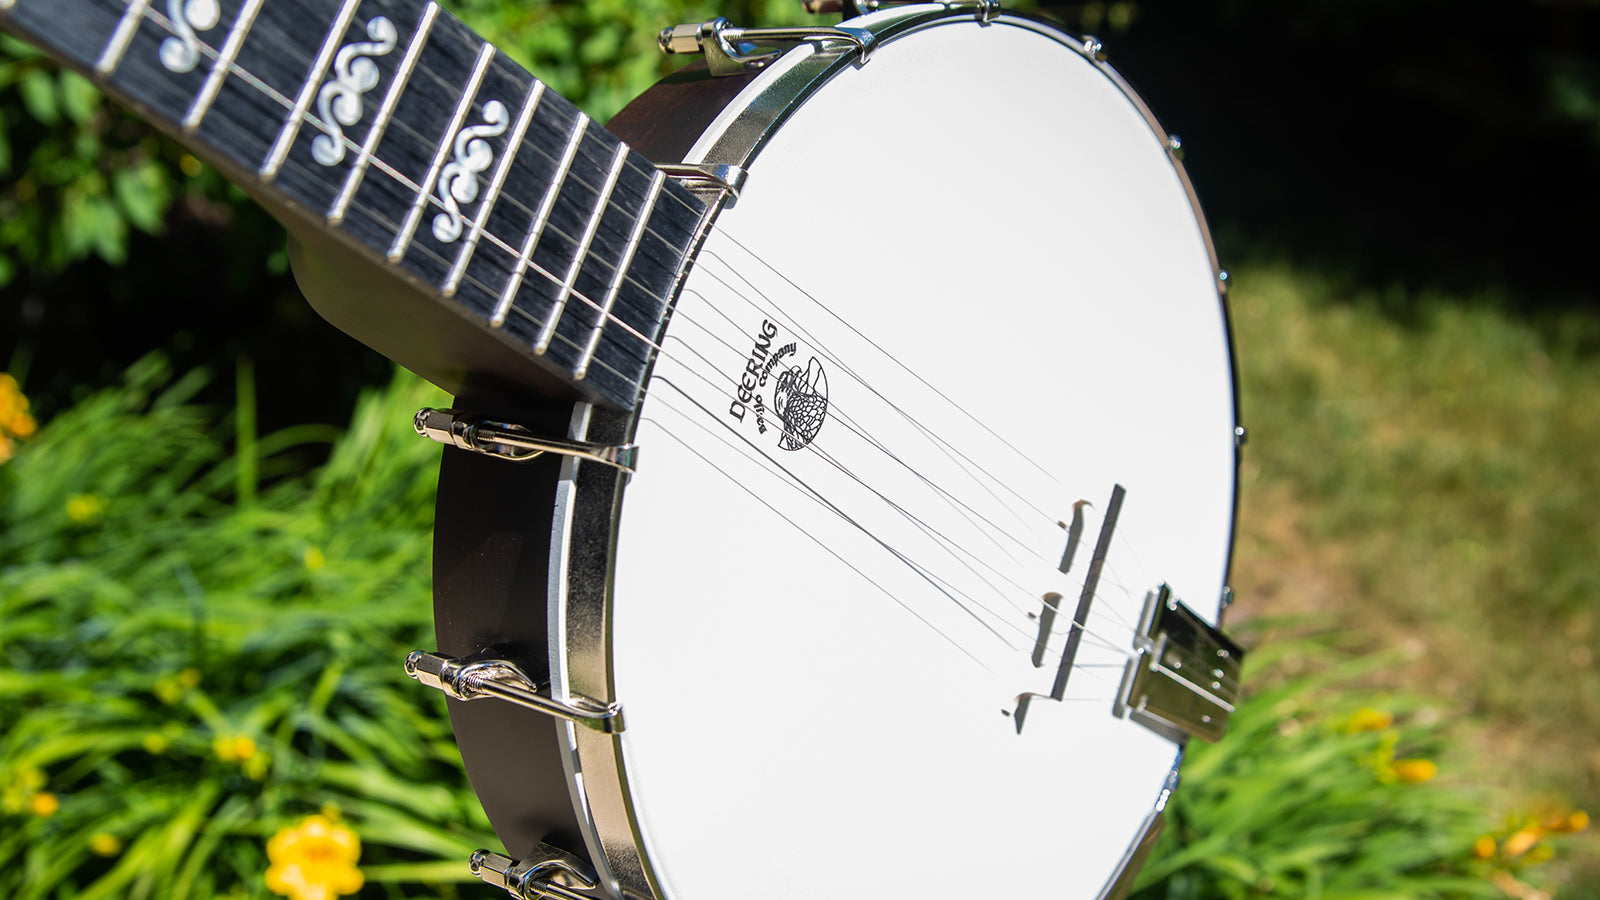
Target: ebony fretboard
(492, 214)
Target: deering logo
(799, 403)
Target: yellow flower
(313, 558)
(103, 844)
(237, 748)
(168, 690)
(85, 508)
(15, 420)
(44, 805)
(314, 860)
(1369, 719)
(1522, 841)
(1577, 820)
(1415, 771)
(22, 425)
(1483, 847)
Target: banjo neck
(447, 208)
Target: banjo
(851, 485)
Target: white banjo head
(964, 294)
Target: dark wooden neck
(452, 212)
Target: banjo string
(796, 484)
(493, 239)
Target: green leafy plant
(203, 649)
(1323, 790)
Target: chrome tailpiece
(1184, 680)
(508, 440)
(732, 50)
(546, 873)
(472, 679)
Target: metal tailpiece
(472, 679)
(1184, 680)
(508, 440)
(546, 873)
(732, 50)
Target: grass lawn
(1423, 473)
(202, 645)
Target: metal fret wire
(402, 238)
(603, 309)
(514, 143)
(219, 69)
(380, 122)
(516, 72)
(538, 87)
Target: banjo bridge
(1184, 680)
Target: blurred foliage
(202, 693)
(86, 286)
(1432, 482)
(196, 662)
(82, 174)
(1310, 796)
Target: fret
(339, 100)
(291, 126)
(402, 239)
(496, 184)
(540, 219)
(619, 160)
(621, 274)
(224, 61)
(380, 122)
(458, 182)
(574, 287)
(112, 54)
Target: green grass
(1423, 474)
(202, 640)
(197, 658)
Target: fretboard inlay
(545, 235)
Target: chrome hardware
(731, 50)
(1241, 436)
(1222, 281)
(987, 9)
(723, 179)
(472, 679)
(1093, 49)
(1127, 871)
(547, 873)
(1185, 679)
(510, 441)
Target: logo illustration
(799, 402)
